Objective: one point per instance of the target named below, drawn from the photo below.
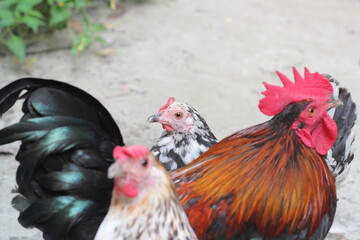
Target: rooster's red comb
(134, 151)
(313, 86)
(170, 101)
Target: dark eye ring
(144, 162)
(178, 115)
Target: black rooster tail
(10, 94)
(67, 138)
(341, 154)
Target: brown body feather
(261, 179)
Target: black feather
(10, 93)
(89, 159)
(67, 138)
(20, 203)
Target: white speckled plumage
(340, 156)
(179, 147)
(155, 214)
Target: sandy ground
(211, 54)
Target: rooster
(186, 135)
(67, 141)
(269, 181)
(144, 203)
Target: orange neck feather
(277, 184)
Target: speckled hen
(144, 203)
(186, 135)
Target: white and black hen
(186, 135)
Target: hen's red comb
(313, 86)
(134, 151)
(170, 101)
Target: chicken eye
(311, 112)
(144, 162)
(178, 115)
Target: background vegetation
(23, 21)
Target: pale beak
(115, 170)
(334, 103)
(154, 118)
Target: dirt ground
(211, 54)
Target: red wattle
(167, 127)
(131, 188)
(322, 138)
(324, 135)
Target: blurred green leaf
(58, 15)
(26, 5)
(17, 46)
(80, 44)
(79, 4)
(85, 18)
(35, 13)
(65, 3)
(100, 40)
(7, 3)
(18, 16)
(99, 27)
(6, 18)
(33, 23)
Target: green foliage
(20, 19)
(86, 37)
(17, 46)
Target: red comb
(313, 86)
(134, 151)
(170, 101)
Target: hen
(186, 134)
(269, 181)
(144, 203)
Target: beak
(334, 103)
(154, 118)
(115, 170)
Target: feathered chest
(258, 182)
(151, 220)
(177, 149)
